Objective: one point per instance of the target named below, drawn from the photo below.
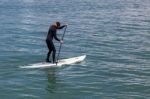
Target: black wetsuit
(49, 41)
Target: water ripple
(113, 34)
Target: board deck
(60, 63)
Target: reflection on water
(51, 76)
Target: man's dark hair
(58, 24)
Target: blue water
(114, 34)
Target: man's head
(57, 24)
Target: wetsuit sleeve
(61, 27)
(55, 36)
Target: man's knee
(54, 50)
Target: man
(49, 40)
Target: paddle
(61, 45)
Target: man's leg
(54, 52)
(50, 50)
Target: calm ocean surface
(114, 34)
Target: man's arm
(55, 36)
(61, 27)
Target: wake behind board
(60, 63)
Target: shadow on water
(53, 83)
(52, 80)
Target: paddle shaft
(61, 45)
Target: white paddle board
(59, 64)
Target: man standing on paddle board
(49, 40)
